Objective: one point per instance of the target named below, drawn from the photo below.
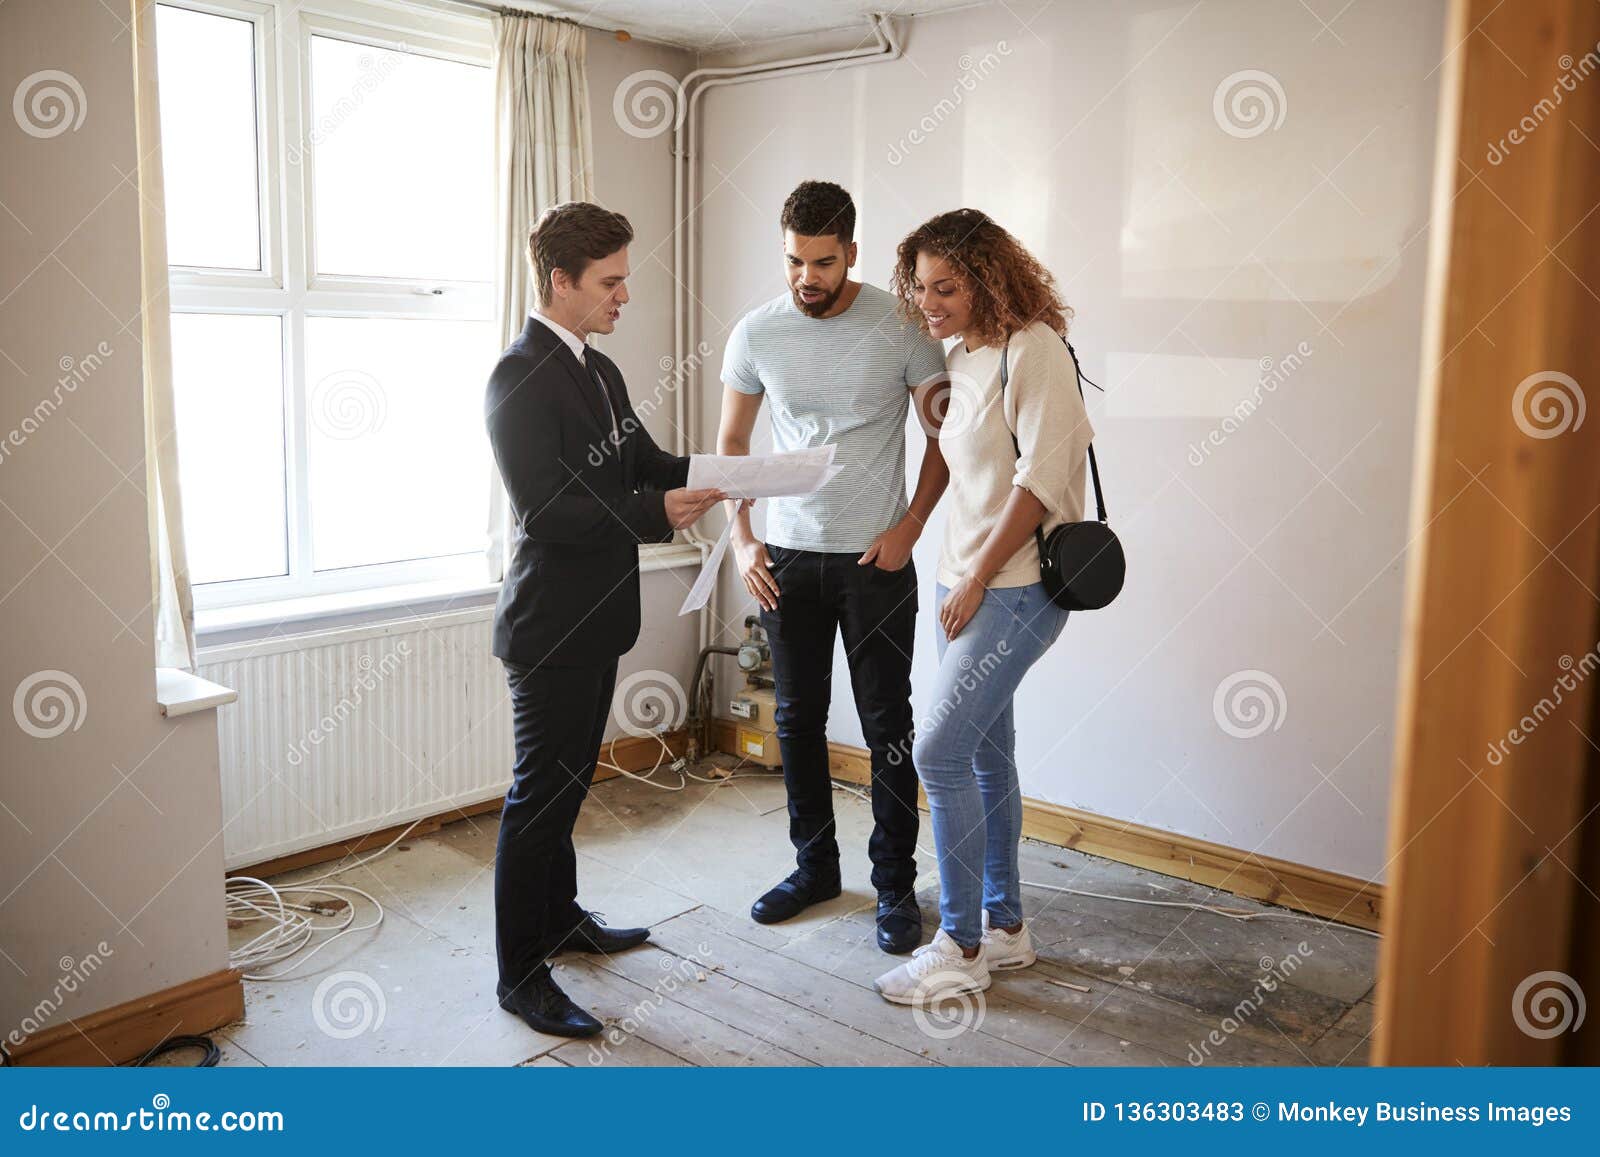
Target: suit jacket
(582, 500)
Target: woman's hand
(959, 606)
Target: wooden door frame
(1490, 884)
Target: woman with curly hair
(1016, 453)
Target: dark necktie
(600, 384)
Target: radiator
(338, 733)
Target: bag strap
(1094, 466)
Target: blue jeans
(966, 756)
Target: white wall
(1193, 256)
(109, 831)
(633, 175)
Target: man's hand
(891, 550)
(684, 506)
(755, 567)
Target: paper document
(752, 476)
(762, 475)
(707, 578)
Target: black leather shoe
(542, 1005)
(592, 935)
(899, 922)
(792, 897)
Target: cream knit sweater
(1052, 427)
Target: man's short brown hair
(570, 235)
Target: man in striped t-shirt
(839, 366)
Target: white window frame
(287, 286)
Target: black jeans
(876, 612)
(558, 719)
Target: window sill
(222, 625)
(180, 693)
(320, 612)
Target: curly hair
(819, 209)
(1010, 289)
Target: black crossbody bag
(1080, 563)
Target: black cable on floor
(171, 1044)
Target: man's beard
(819, 308)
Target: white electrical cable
(679, 765)
(1242, 914)
(290, 911)
(291, 924)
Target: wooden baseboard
(636, 753)
(127, 1031)
(131, 1029)
(1344, 899)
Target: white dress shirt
(578, 348)
(574, 343)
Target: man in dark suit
(587, 486)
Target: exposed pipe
(685, 323)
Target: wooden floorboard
(720, 986)
(1117, 983)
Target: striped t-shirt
(846, 380)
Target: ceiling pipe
(685, 241)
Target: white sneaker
(935, 972)
(1007, 950)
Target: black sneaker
(899, 922)
(802, 889)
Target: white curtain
(169, 560)
(542, 157)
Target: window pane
(228, 380)
(403, 162)
(399, 459)
(206, 72)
